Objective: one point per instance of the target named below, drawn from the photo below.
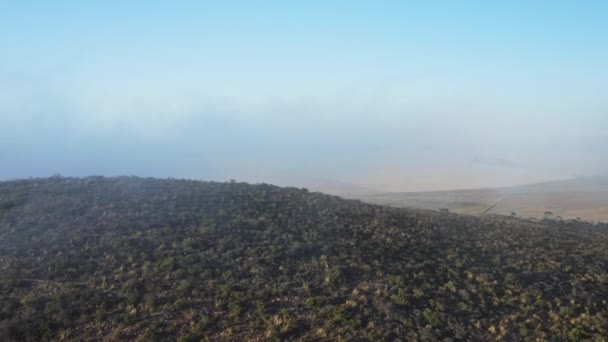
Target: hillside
(145, 259)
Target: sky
(391, 95)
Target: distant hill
(584, 198)
(146, 259)
(334, 187)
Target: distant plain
(584, 198)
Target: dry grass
(569, 200)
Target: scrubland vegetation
(145, 259)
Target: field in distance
(585, 198)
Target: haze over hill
(397, 96)
(443, 105)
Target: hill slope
(146, 259)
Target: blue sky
(393, 95)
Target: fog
(392, 98)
